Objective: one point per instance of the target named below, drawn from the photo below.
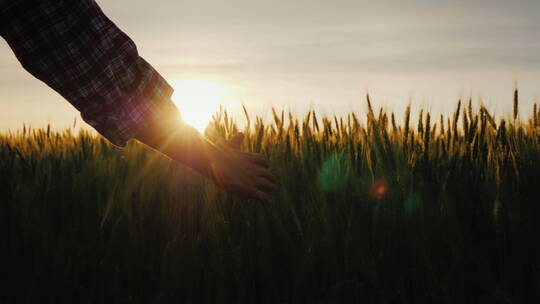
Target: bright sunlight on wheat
(199, 99)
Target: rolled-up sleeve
(76, 50)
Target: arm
(77, 51)
(241, 173)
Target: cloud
(336, 36)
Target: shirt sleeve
(76, 50)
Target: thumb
(236, 141)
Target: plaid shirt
(76, 50)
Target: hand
(242, 173)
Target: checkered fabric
(76, 50)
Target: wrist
(202, 156)
(181, 142)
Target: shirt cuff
(120, 122)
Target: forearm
(179, 141)
(242, 173)
(76, 50)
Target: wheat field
(369, 210)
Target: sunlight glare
(198, 100)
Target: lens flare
(413, 204)
(378, 188)
(335, 173)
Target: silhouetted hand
(242, 173)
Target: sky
(317, 54)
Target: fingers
(264, 178)
(266, 185)
(244, 173)
(262, 197)
(266, 174)
(236, 141)
(258, 159)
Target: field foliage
(369, 210)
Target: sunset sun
(198, 100)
